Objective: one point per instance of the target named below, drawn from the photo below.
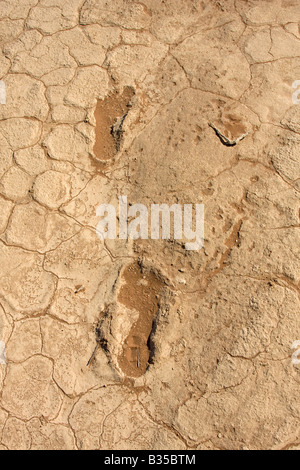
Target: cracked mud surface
(115, 98)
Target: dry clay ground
(185, 350)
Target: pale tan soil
(144, 345)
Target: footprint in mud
(141, 291)
(125, 328)
(234, 127)
(110, 115)
(230, 129)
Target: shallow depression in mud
(110, 115)
(141, 291)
